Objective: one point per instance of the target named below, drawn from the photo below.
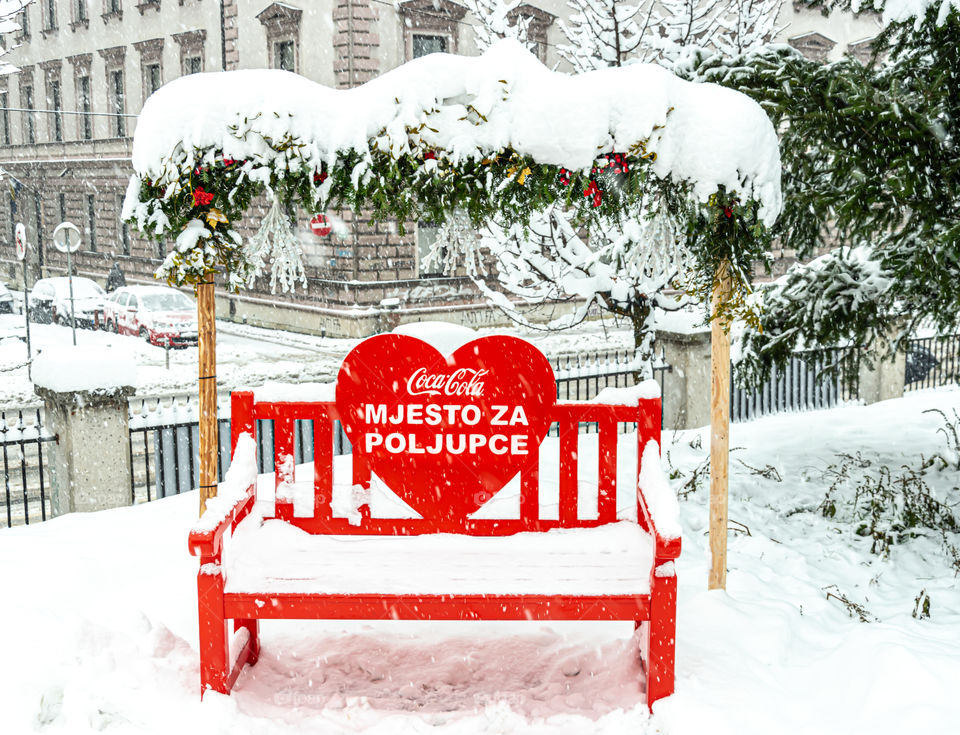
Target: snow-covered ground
(100, 632)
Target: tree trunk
(641, 317)
(207, 347)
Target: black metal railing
(26, 478)
(811, 379)
(932, 362)
(165, 437)
(164, 431)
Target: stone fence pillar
(85, 395)
(91, 467)
(686, 389)
(885, 378)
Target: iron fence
(581, 377)
(164, 430)
(26, 476)
(165, 437)
(811, 379)
(932, 362)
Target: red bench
(595, 567)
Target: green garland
(426, 185)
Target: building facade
(85, 67)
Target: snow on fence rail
(26, 478)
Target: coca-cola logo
(462, 382)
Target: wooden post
(207, 344)
(719, 432)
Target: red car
(163, 316)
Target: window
(50, 11)
(191, 50)
(83, 98)
(284, 56)
(92, 222)
(25, 23)
(81, 11)
(281, 22)
(124, 228)
(151, 65)
(538, 23)
(116, 94)
(153, 78)
(56, 104)
(423, 45)
(430, 26)
(62, 201)
(29, 123)
(113, 6)
(5, 118)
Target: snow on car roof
(143, 290)
(62, 283)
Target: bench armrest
(233, 501)
(658, 505)
(206, 537)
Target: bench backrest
(245, 412)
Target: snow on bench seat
(274, 557)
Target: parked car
(6, 300)
(163, 316)
(920, 361)
(49, 301)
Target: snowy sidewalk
(99, 613)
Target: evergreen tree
(870, 160)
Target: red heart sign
(445, 432)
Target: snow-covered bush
(816, 304)
(889, 505)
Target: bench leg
(214, 647)
(253, 626)
(661, 638)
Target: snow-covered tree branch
(604, 33)
(495, 22)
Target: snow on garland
(496, 134)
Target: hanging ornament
(215, 217)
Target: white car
(49, 302)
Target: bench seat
(275, 557)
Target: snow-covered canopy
(469, 107)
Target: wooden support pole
(207, 344)
(719, 432)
